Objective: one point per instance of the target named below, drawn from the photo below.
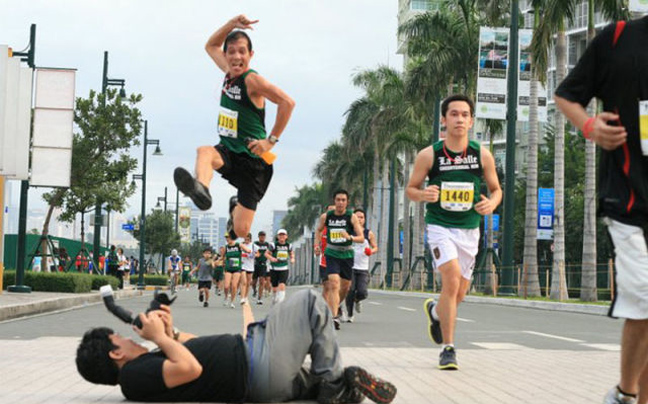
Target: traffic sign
(128, 226)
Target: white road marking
(465, 320)
(541, 334)
(605, 347)
(500, 346)
(376, 303)
(406, 308)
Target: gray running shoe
(336, 323)
(351, 319)
(434, 326)
(448, 359)
(189, 186)
(614, 396)
(358, 306)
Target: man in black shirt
(227, 368)
(614, 69)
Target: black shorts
(260, 270)
(277, 277)
(218, 274)
(340, 266)
(322, 273)
(204, 284)
(250, 176)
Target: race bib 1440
(457, 196)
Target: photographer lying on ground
(262, 365)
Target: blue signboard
(128, 227)
(545, 213)
(496, 221)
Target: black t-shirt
(617, 74)
(223, 379)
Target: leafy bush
(157, 280)
(100, 280)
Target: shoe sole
(449, 366)
(186, 184)
(375, 389)
(439, 339)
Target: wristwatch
(273, 139)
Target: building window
(424, 5)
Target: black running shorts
(260, 270)
(277, 277)
(250, 176)
(340, 266)
(204, 284)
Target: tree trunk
(407, 239)
(374, 222)
(558, 279)
(384, 220)
(530, 280)
(588, 269)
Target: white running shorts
(447, 244)
(631, 261)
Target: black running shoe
(230, 222)
(434, 326)
(189, 186)
(206, 304)
(375, 389)
(336, 323)
(200, 297)
(448, 359)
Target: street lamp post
(157, 152)
(105, 83)
(509, 188)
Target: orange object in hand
(269, 157)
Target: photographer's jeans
(300, 325)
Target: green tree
(107, 127)
(160, 237)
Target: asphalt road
(387, 320)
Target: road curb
(49, 304)
(529, 304)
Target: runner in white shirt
(247, 263)
(362, 252)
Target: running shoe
(189, 186)
(614, 396)
(259, 301)
(230, 222)
(206, 304)
(243, 301)
(201, 297)
(375, 389)
(448, 359)
(336, 323)
(232, 305)
(358, 306)
(351, 319)
(343, 316)
(434, 326)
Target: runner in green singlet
(454, 167)
(241, 128)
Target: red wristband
(588, 127)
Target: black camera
(127, 316)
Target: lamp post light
(162, 198)
(105, 83)
(157, 152)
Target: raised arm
(214, 45)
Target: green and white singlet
(282, 253)
(337, 246)
(239, 120)
(233, 254)
(459, 177)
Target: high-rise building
(206, 227)
(277, 217)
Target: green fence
(32, 245)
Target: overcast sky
(309, 48)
